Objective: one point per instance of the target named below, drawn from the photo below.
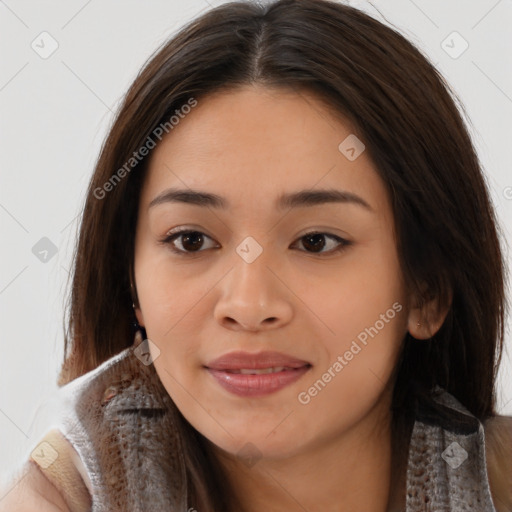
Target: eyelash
(171, 237)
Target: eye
(190, 242)
(314, 242)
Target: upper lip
(247, 360)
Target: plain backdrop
(55, 111)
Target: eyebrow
(298, 199)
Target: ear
(426, 318)
(140, 317)
(135, 299)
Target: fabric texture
(56, 458)
(119, 419)
(447, 462)
(120, 424)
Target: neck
(353, 471)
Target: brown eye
(315, 243)
(190, 241)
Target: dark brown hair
(411, 123)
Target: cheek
(365, 311)
(165, 290)
(354, 380)
(170, 305)
(366, 292)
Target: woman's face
(249, 278)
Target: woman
(290, 209)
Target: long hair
(412, 125)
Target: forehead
(257, 141)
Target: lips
(236, 361)
(259, 371)
(251, 375)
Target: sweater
(121, 422)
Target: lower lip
(257, 385)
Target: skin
(251, 145)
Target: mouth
(256, 375)
(261, 371)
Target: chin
(251, 448)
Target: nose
(254, 297)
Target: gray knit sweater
(121, 421)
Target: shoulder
(53, 479)
(498, 438)
(71, 462)
(30, 490)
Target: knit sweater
(120, 420)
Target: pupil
(194, 236)
(320, 241)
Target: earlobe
(135, 304)
(138, 314)
(423, 329)
(424, 321)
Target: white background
(55, 112)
